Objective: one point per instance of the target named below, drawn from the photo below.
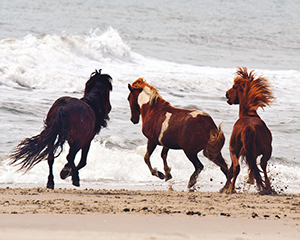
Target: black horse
(69, 119)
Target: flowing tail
(215, 144)
(33, 150)
(248, 151)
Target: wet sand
(39, 213)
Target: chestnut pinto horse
(69, 119)
(250, 136)
(175, 128)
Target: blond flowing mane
(256, 90)
(150, 90)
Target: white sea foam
(64, 62)
(123, 168)
(36, 70)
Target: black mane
(95, 94)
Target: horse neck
(157, 106)
(243, 110)
(94, 100)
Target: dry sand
(38, 213)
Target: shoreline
(140, 214)
(159, 202)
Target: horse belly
(169, 143)
(195, 134)
(192, 139)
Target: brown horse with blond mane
(250, 137)
(173, 128)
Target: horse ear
(129, 87)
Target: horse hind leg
(50, 183)
(228, 181)
(219, 161)
(233, 172)
(255, 174)
(198, 168)
(263, 164)
(167, 169)
(224, 168)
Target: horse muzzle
(135, 120)
(228, 99)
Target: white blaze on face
(196, 113)
(144, 96)
(164, 126)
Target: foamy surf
(36, 70)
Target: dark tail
(33, 150)
(248, 151)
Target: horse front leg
(84, 152)
(50, 183)
(67, 170)
(70, 164)
(150, 148)
(167, 169)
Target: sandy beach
(39, 213)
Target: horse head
(141, 93)
(249, 91)
(133, 103)
(232, 94)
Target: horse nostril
(227, 96)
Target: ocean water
(188, 50)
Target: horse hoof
(160, 175)
(168, 177)
(223, 189)
(76, 183)
(269, 191)
(65, 172)
(192, 182)
(50, 185)
(230, 191)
